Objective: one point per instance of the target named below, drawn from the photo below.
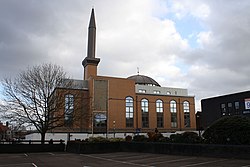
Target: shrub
(229, 130)
(164, 139)
(191, 137)
(128, 138)
(176, 138)
(186, 137)
(116, 139)
(140, 138)
(98, 139)
(153, 136)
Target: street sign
(247, 104)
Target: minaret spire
(90, 62)
(92, 35)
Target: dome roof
(143, 80)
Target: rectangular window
(129, 112)
(145, 122)
(157, 92)
(142, 91)
(186, 114)
(223, 109)
(173, 111)
(69, 109)
(229, 105)
(159, 106)
(144, 105)
(129, 122)
(222, 106)
(173, 120)
(237, 105)
(159, 120)
(186, 120)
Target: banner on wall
(247, 103)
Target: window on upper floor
(159, 106)
(159, 112)
(142, 91)
(69, 109)
(129, 112)
(186, 110)
(237, 107)
(144, 109)
(223, 109)
(173, 111)
(144, 105)
(157, 92)
(230, 107)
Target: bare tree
(30, 98)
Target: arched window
(186, 114)
(129, 112)
(173, 111)
(144, 109)
(159, 112)
(144, 105)
(69, 109)
(159, 106)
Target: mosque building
(104, 104)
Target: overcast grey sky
(200, 45)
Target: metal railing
(32, 142)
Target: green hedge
(229, 130)
(210, 150)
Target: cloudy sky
(200, 45)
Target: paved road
(120, 159)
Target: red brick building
(137, 103)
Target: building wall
(90, 70)
(166, 112)
(108, 95)
(81, 113)
(162, 90)
(212, 107)
(120, 88)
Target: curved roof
(143, 80)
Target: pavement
(120, 159)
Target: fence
(32, 142)
(26, 146)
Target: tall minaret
(90, 62)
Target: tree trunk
(42, 137)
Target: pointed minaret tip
(92, 19)
(91, 62)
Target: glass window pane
(237, 105)
(129, 111)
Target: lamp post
(114, 128)
(198, 122)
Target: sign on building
(247, 103)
